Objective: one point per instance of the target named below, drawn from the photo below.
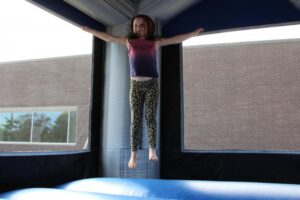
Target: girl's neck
(141, 38)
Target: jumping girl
(142, 46)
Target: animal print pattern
(143, 97)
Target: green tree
(42, 128)
(61, 128)
(24, 127)
(10, 126)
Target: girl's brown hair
(150, 27)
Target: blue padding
(186, 189)
(58, 194)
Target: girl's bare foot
(152, 154)
(132, 160)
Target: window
(45, 81)
(242, 94)
(38, 126)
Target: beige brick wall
(53, 82)
(242, 96)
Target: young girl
(142, 47)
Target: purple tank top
(142, 58)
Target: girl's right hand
(86, 28)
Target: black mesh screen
(242, 96)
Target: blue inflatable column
(116, 122)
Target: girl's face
(140, 27)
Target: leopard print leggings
(143, 94)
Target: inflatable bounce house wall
(120, 188)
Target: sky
(28, 32)
(251, 35)
(3, 115)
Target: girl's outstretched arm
(178, 38)
(105, 36)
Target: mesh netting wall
(242, 96)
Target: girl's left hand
(199, 30)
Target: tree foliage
(44, 128)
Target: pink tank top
(142, 58)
